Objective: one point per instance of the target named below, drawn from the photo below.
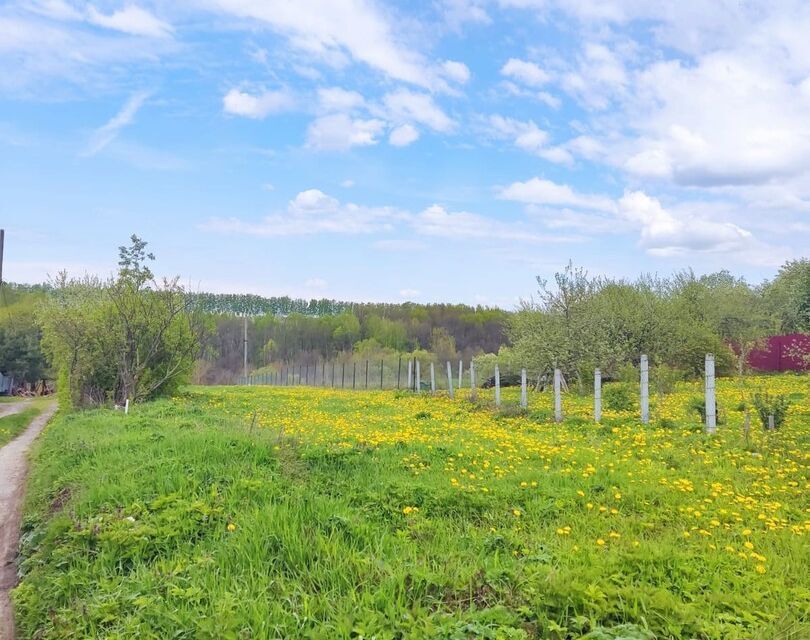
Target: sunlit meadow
(259, 512)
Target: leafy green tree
(130, 337)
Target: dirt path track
(10, 408)
(13, 471)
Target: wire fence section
(359, 374)
(419, 376)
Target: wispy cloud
(106, 134)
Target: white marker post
(450, 379)
(557, 396)
(524, 397)
(497, 386)
(597, 395)
(418, 379)
(645, 390)
(432, 379)
(126, 407)
(410, 374)
(711, 402)
(473, 390)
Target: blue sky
(445, 150)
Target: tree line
(133, 337)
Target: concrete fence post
(711, 401)
(597, 395)
(418, 379)
(460, 373)
(524, 397)
(432, 378)
(410, 374)
(644, 365)
(450, 379)
(473, 390)
(557, 396)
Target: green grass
(13, 425)
(279, 513)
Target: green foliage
(619, 396)
(788, 295)
(697, 406)
(771, 405)
(126, 338)
(582, 322)
(21, 355)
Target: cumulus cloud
(338, 99)
(526, 136)
(539, 191)
(403, 135)
(312, 212)
(410, 106)
(339, 131)
(456, 71)
(527, 73)
(663, 233)
(257, 105)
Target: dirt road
(13, 471)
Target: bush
(768, 405)
(664, 378)
(698, 405)
(618, 397)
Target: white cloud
(338, 99)
(526, 136)
(459, 12)
(438, 221)
(409, 293)
(312, 212)
(403, 135)
(741, 123)
(334, 30)
(545, 192)
(257, 106)
(347, 184)
(404, 106)
(456, 71)
(132, 20)
(526, 72)
(339, 132)
(106, 134)
(662, 233)
(599, 78)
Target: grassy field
(312, 513)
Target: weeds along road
(13, 470)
